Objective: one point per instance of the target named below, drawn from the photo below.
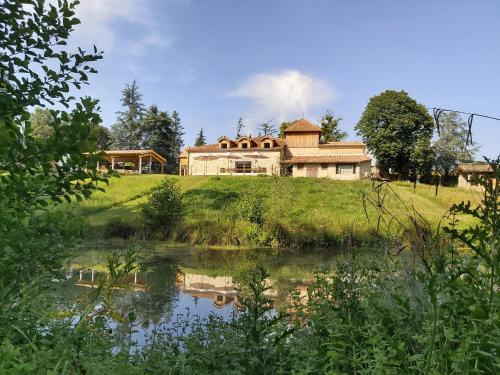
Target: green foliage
(118, 228)
(157, 132)
(283, 126)
(200, 138)
(104, 140)
(164, 208)
(126, 133)
(398, 131)
(251, 207)
(266, 128)
(311, 218)
(41, 120)
(37, 70)
(330, 131)
(450, 148)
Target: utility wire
(438, 111)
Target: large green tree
(104, 140)
(330, 131)
(127, 130)
(41, 120)
(36, 69)
(157, 132)
(450, 148)
(398, 131)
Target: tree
(126, 133)
(330, 131)
(239, 127)
(41, 120)
(177, 143)
(36, 69)
(283, 126)
(103, 138)
(200, 139)
(157, 132)
(398, 131)
(450, 148)
(266, 128)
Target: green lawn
(297, 211)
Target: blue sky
(214, 61)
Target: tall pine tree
(200, 139)
(177, 142)
(126, 133)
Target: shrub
(251, 208)
(164, 208)
(118, 228)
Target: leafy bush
(118, 228)
(164, 208)
(250, 207)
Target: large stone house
(301, 153)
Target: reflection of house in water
(90, 278)
(220, 289)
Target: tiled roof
(302, 126)
(341, 159)
(474, 167)
(215, 146)
(207, 148)
(342, 143)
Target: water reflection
(180, 282)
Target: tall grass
(293, 212)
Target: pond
(171, 285)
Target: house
(469, 174)
(301, 153)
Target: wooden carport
(137, 157)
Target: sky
(215, 61)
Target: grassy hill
(296, 211)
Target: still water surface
(171, 284)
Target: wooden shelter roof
(134, 154)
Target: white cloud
(100, 17)
(284, 95)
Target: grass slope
(297, 211)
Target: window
(244, 145)
(243, 166)
(267, 145)
(346, 169)
(300, 166)
(223, 145)
(324, 166)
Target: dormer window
(223, 145)
(267, 145)
(244, 145)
